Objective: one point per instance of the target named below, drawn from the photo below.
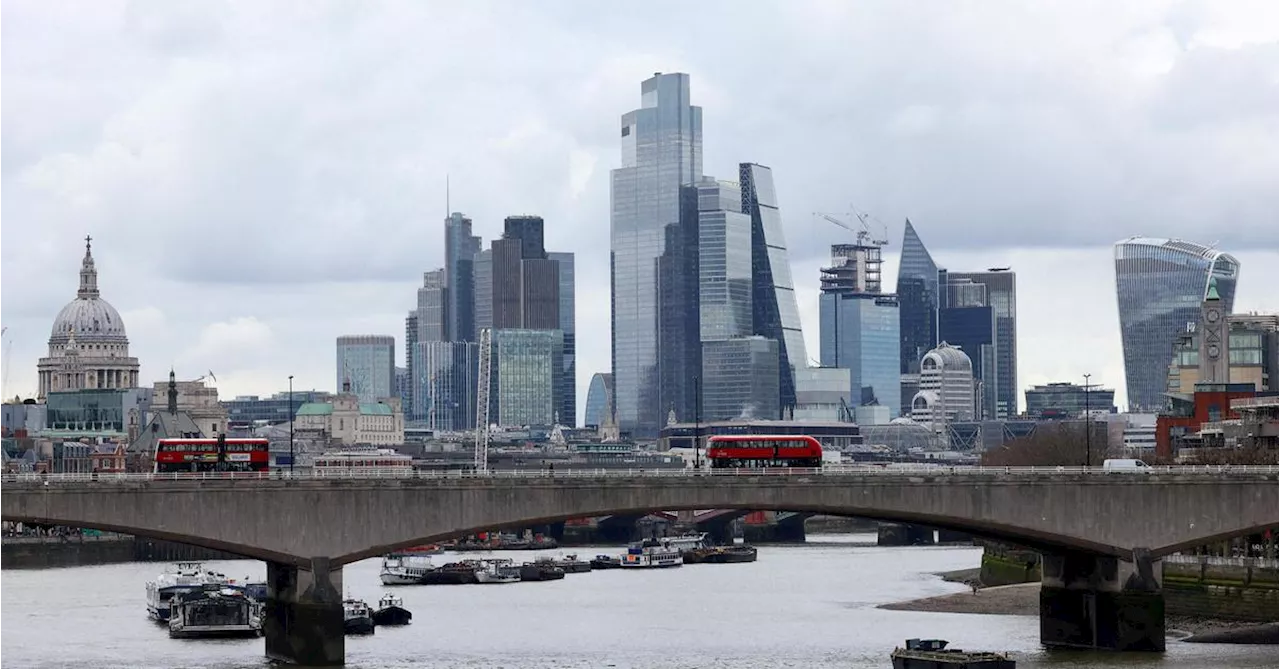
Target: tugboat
(356, 617)
(933, 654)
(180, 578)
(404, 568)
(454, 573)
(605, 562)
(651, 554)
(499, 571)
(720, 555)
(391, 611)
(542, 569)
(214, 612)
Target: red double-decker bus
(212, 455)
(756, 451)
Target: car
(1125, 465)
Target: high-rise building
(368, 364)
(568, 410)
(822, 395)
(525, 282)
(678, 324)
(1068, 400)
(859, 328)
(724, 262)
(525, 372)
(433, 307)
(740, 379)
(410, 338)
(444, 384)
(917, 308)
(599, 401)
(776, 313)
(661, 151)
(482, 271)
(1160, 284)
(946, 390)
(1000, 288)
(972, 329)
(460, 249)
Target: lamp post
(291, 419)
(1088, 436)
(697, 422)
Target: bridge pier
(1101, 602)
(303, 618)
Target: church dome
(91, 318)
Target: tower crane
(482, 402)
(863, 231)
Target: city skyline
(258, 312)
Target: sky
(260, 178)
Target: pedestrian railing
(1216, 561)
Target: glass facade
(482, 273)
(859, 331)
(724, 262)
(918, 301)
(460, 249)
(740, 379)
(1067, 400)
(368, 362)
(245, 411)
(776, 313)
(678, 306)
(1160, 284)
(526, 364)
(95, 410)
(433, 298)
(599, 399)
(661, 151)
(822, 394)
(973, 331)
(568, 403)
(444, 381)
(1000, 288)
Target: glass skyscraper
(661, 151)
(460, 248)
(524, 377)
(740, 379)
(858, 328)
(568, 408)
(368, 363)
(918, 301)
(599, 400)
(1160, 284)
(724, 262)
(1000, 286)
(444, 381)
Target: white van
(1128, 465)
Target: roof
(315, 409)
(163, 425)
(376, 409)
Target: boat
(391, 611)
(177, 579)
(605, 562)
(255, 590)
(720, 555)
(687, 541)
(934, 654)
(499, 571)
(651, 554)
(214, 611)
(425, 549)
(541, 569)
(572, 565)
(357, 618)
(404, 568)
(454, 573)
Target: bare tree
(1052, 444)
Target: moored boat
(391, 611)
(686, 542)
(651, 554)
(542, 569)
(605, 562)
(454, 573)
(499, 571)
(934, 654)
(214, 611)
(572, 565)
(404, 569)
(357, 617)
(720, 555)
(179, 578)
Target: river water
(804, 606)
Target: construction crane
(482, 402)
(863, 232)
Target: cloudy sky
(261, 177)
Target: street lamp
(1088, 437)
(697, 422)
(291, 419)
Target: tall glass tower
(460, 248)
(661, 151)
(918, 301)
(1160, 284)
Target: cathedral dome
(89, 317)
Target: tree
(1052, 444)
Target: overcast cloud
(260, 178)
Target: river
(798, 606)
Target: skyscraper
(740, 378)
(775, 311)
(1000, 286)
(917, 308)
(443, 384)
(433, 306)
(859, 327)
(460, 248)
(525, 366)
(368, 363)
(525, 282)
(599, 400)
(661, 151)
(568, 410)
(1160, 284)
(679, 338)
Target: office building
(1068, 400)
(445, 376)
(999, 285)
(724, 262)
(859, 328)
(917, 301)
(740, 379)
(249, 411)
(433, 307)
(661, 151)
(678, 309)
(482, 276)
(568, 408)
(88, 347)
(525, 281)
(599, 401)
(1160, 284)
(972, 329)
(1248, 347)
(822, 395)
(946, 392)
(368, 363)
(460, 249)
(524, 376)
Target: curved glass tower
(599, 400)
(1160, 284)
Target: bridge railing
(566, 473)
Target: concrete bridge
(1102, 535)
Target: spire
(173, 393)
(1212, 293)
(88, 273)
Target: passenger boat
(542, 569)
(454, 573)
(357, 618)
(605, 562)
(404, 569)
(214, 612)
(391, 611)
(177, 579)
(651, 554)
(720, 555)
(686, 542)
(934, 654)
(499, 571)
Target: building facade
(368, 363)
(460, 249)
(1000, 291)
(568, 408)
(599, 401)
(1068, 400)
(349, 422)
(433, 307)
(88, 347)
(245, 411)
(524, 377)
(859, 328)
(822, 395)
(972, 329)
(661, 151)
(918, 301)
(1247, 346)
(446, 375)
(1160, 284)
(740, 379)
(678, 307)
(946, 392)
